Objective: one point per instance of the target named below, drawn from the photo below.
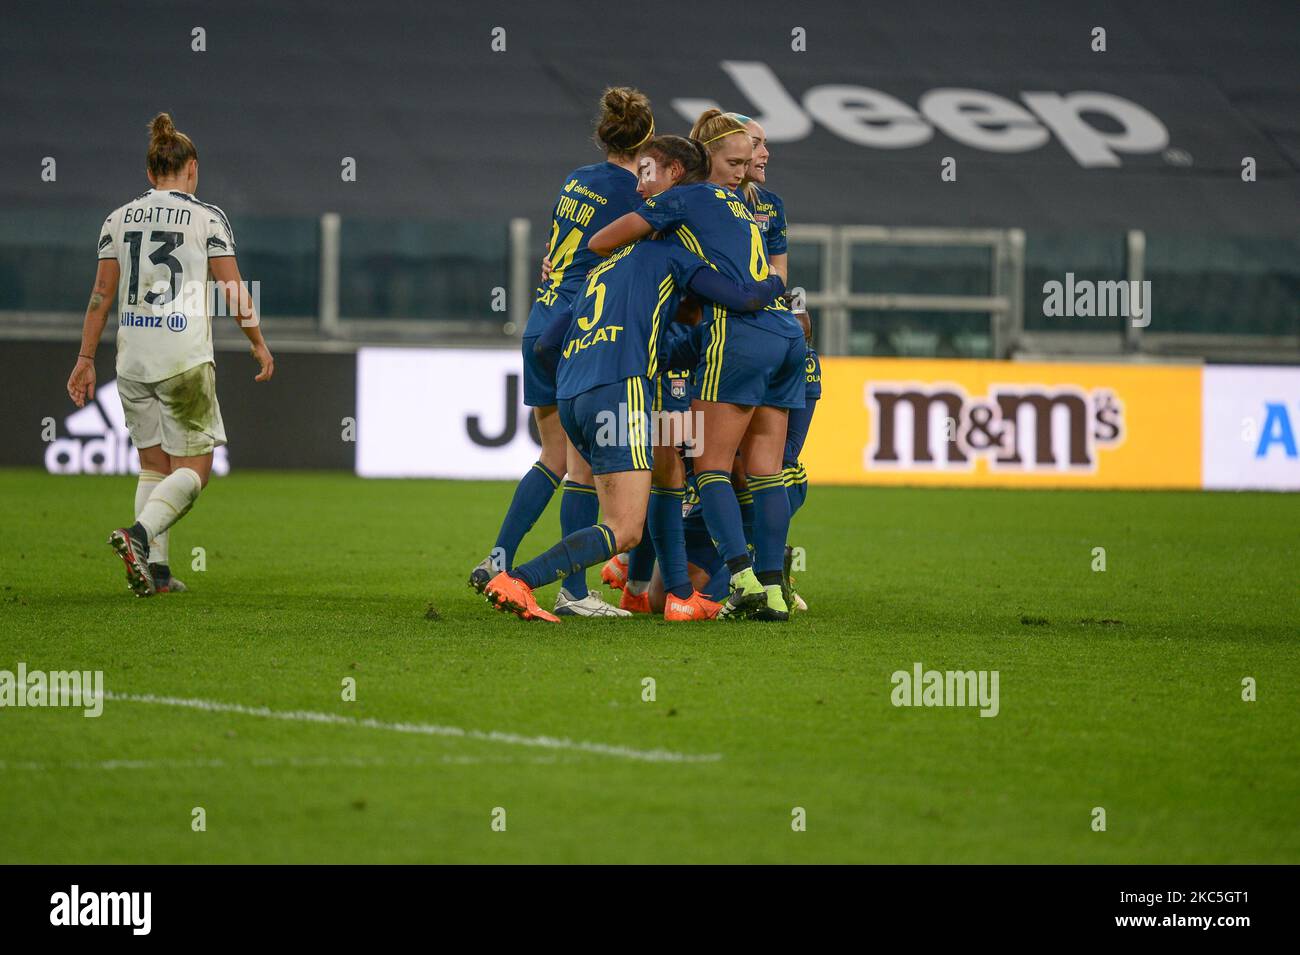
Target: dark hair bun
(625, 119)
(162, 127)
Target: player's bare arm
(226, 271)
(777, 263)
(623, 231)
(81, 383)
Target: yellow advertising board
(1006, 424)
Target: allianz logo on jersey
(97, 441)
(241, 300)
(176, 321)
(975, 118)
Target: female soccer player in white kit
(156, 252)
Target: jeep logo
(1016, 428)
(975, 118)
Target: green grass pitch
(1119, 689)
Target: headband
(647, 136)
(720, 135)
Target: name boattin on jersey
(162, 241)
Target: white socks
(170, 500)
(143, 488)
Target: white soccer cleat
(799, 603)
(592, 605)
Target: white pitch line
(261, 762)
(424, 729)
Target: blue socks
(579, 508)
(796, 485)
(530, 500)
(722, 515)
(719, 585)
(569, 558)
(771, 523)
(745, 499)
(669, 536)
(641, 558)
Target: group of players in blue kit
(672, 387)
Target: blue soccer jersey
(619, 317)
(592, 198)
(769, 212)
(714, 222)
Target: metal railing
(832, 298)
(836, 299)
(829, 293)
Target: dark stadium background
(459, 150)
(1129, 612)
(446, 130)
(454, 140)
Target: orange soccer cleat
(511, 595)
(695, 607)
(614, 573)
(636, 603)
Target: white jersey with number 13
(162, 241)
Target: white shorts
(180, 413)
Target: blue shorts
(610, 425)
(539, 384)
(744, 364)
(673, 391)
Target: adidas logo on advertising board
(97, 441)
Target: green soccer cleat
(480, 575)
(776, 609)
(747, 596)
(787, 582)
